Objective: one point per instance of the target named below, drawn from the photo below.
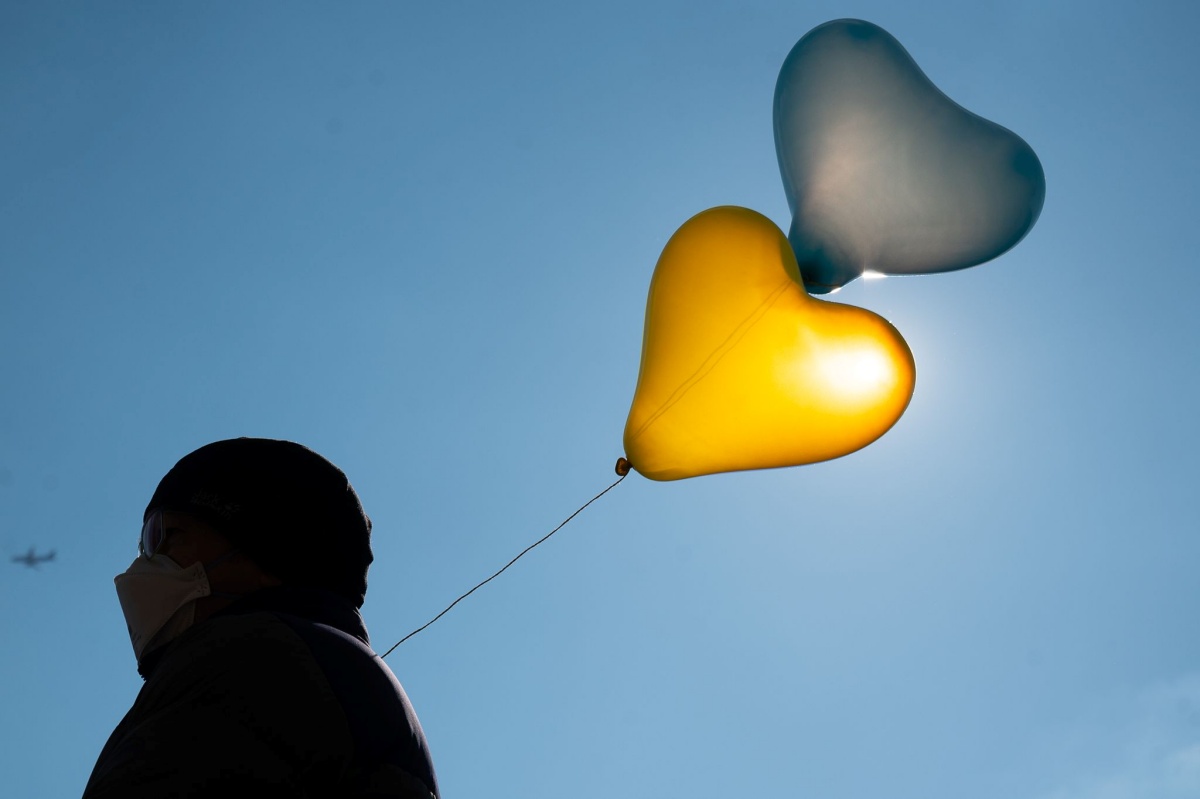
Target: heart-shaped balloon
(884, 172)
(742, 369)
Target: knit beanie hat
(287, 508)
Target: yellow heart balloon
(742, 369)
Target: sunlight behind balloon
(857, 374)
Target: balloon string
(511, 562)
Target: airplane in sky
(32, 559)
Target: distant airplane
(32, 559)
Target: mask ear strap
(217, 561)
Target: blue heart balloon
(884, 172)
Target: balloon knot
(623, 467)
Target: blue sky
(418, 238)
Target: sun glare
(857, 373)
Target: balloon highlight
(742, 369)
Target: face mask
(158, 599)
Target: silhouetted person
(242, 607)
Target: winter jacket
(278, 695)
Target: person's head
(235, 517)
(288, 511)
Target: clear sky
(418, 238)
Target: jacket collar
(314, 604)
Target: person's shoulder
(238, 698)
(349, 663)
(320, 636)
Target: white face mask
(158, 599)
